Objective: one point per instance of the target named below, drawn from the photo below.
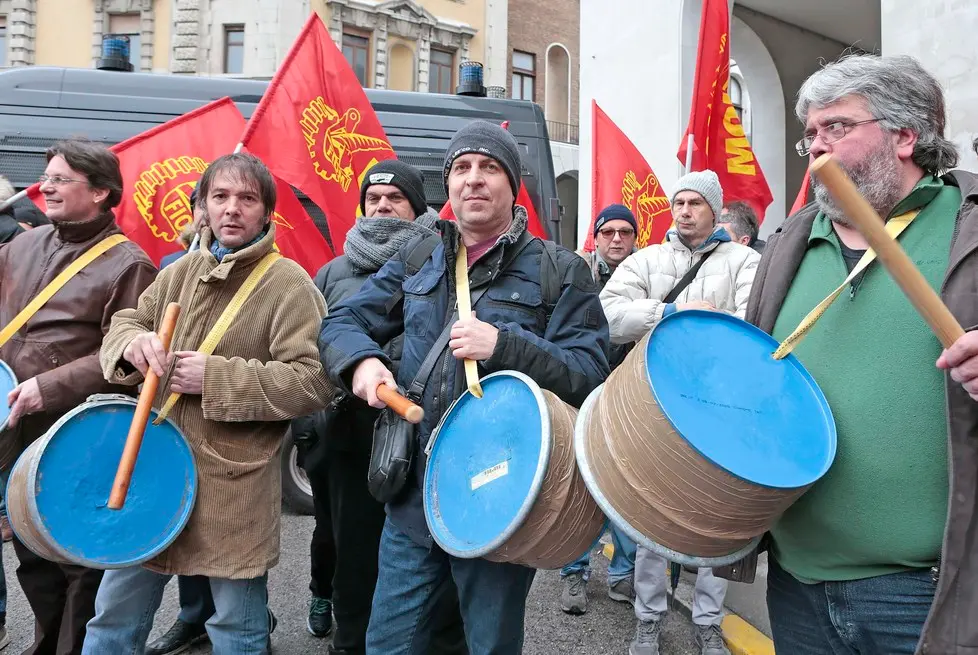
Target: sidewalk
(746, 627)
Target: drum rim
(616, 519)
(790, 360)
(5, 367)
(41, 526)
(543, 463)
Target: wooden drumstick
(127, 463)
(867, 221)
(401, 405)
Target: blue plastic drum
(501, 480)
(59, 488)
(701, 439)
(8, 382)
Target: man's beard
(877, 177)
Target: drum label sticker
(490, 474)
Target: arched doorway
(558, 84)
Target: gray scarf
(371, 242)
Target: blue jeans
(622, 564)
(3, 576)
(196, 599)
(128, 599)
(412, 578)
(874, 616)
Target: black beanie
(405, 177)
(615, 213)
(491, 140)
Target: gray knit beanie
(487, 139)
(707, 184)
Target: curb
(742, 638)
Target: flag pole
(238, 148)
(14, 198)
(689, 152)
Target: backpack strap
(413, 263)
(551, 277)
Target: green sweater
(882, 506)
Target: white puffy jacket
(632, 299)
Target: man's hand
(961, 359)
(23, 400)
(473, 339)
(146, 352)
(370, 374)
(188, 374)
(696, 304)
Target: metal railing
(564, 132)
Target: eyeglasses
(56, 180)
(623, 232)
(830, 134)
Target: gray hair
(898, 91)
(742, 219)
(6, 189)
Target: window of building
(524, 75)
(234, 49)
(440, 73)
(356, 49)
(3, 40)
(740, 102)
(128, 25)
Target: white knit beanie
(707, 184)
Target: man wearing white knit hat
(698, 267)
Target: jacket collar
(244, 257)
(718, 236)
(79, 232)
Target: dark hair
(742, 218)
(246, 167)
(96, 162)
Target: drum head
(74, 476)
(486, 466)
(760, 419)
(8, 382)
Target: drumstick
(123, 475)
(401, 405)
(928, 304)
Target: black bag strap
(550, 277)
(686, 279)
(412, 264)
(415, 391)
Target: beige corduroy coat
(264, 372)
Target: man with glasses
(896, 512)
(55, 354)
(615, 231)
(698, 267)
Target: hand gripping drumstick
(123, 476)
(401, 405)
(889, 252)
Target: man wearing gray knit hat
(697, 267)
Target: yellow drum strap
(464, 297)
(224, 321)
(894, 227)
(55, 285)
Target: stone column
(186, 37)
(380, 53)
(424, 58)
(952, 58)
(22, 32)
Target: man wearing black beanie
(555, 333)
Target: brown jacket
(264, 372)
(952, 627)
(59, 345)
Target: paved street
(605, 629)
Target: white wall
(767, 116)
(270, 29)
(630, 64)
(946, 47)
(497, 40)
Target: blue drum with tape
(700, 440)
(59, 488)
(8, 382)
(501, 481)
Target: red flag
(34, 195)
(161, 167)
(802, 198)
(718, 135)
(620, 174)
(315, 128)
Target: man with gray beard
(886, 538)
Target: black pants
(62, 597)
(357, 521)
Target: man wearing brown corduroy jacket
(234, 411)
